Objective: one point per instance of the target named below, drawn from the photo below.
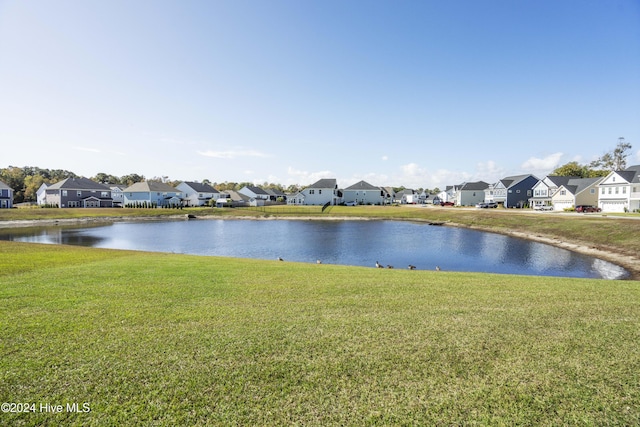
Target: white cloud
(232, 154)
(548, 163)
(385, 158)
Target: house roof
(512, 180)
(147, 186)
(200, 187)
(561, 180)
(237, 197)
(4, 186)
(578, 185)
(474, 186)
(630, 174)
(79, 183)
(362, 185)
(325, 183)
(257, 190)
(274, 192)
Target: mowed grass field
(163, 339)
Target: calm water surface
(361, 243)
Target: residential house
(117, 194)
(471, 193)
(78, 193)
(233, 199)
(620, 191)
(577, 191)
(276, 195)
(407, 197)
(363, 193)
(254, 192)
(41, 195)
(389, 195)
(449, 193)
(514, 191)
(6, 196)
(197, 194)
(324, 191)
(152, 194)
(545, 188)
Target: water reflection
(336, 242)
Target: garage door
(612, 206)
(560, 206)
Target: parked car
(447, 204)
(587, 208)
(350, 204)
(487, 205)
(543, 207)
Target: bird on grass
(389, 266)
(437, 268)
(280, 259)
(378, 265)
(412, 267)
(318, 262)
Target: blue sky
(414, 93)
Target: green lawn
(162, 339)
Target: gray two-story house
(79, 193)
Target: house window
(518, 191)
(79, 193)
(319, 191)
(529, 193)
(311, 191)
(609, 190)
(617, 190)
(592, 191)
(624, 190)
(64, 193)
(104, 194)
(563, 192)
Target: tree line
(26, 180)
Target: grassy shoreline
(163, 339)
(602, 236)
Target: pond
(354, 242)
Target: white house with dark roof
(254, 192)
(363, 193)
(620, 191)
(78, 192)
(151, 194)
(197, 194)
(545, 188)
(319, 193)
(407, 196)
(6, 196)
